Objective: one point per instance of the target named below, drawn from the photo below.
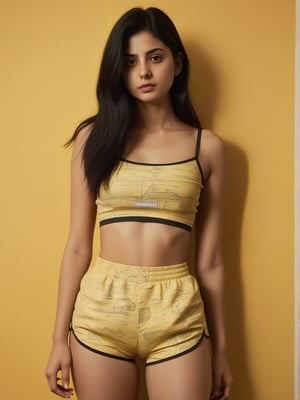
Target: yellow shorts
(124, 311)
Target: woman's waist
(144, 243)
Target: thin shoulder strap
(198, 142)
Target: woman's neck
(152, 117)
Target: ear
(178, 63)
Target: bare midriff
(138, 243)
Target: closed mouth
(146, 85)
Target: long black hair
(109, 127)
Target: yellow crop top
(162, 193)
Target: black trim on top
(199, 134)
(100, 352)
(180, 354)
(197, 150)
(201, 171)
(158, 164)
(146, 219)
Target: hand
(59, 360)
(222, 378)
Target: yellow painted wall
(243, 86)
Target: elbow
(210, 262)
(208, 270)
(80, 250)
(211, 267)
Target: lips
(146, 85)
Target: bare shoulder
(83, 134)
(212, 143)
(212, 152)
(81, 139)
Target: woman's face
(149, 68)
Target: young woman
(147, 170)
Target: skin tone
(157, 136)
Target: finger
(216, 390)
(56, 388)
(65, 377)
(215, 393)
(226, 392)
(66, 393)
(52, 380)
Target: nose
(145, 72)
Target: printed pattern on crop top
(162, 193)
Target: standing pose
(147, 171)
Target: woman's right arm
(76, 259)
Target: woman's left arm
(209, 263)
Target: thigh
(186, 377)
(98, 377)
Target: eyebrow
(147, 52)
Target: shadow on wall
(235, 195)
(206, 89)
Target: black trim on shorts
(102, 353)
(180, 354)
(146, 219)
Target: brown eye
(130, 62)
(156, 58)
